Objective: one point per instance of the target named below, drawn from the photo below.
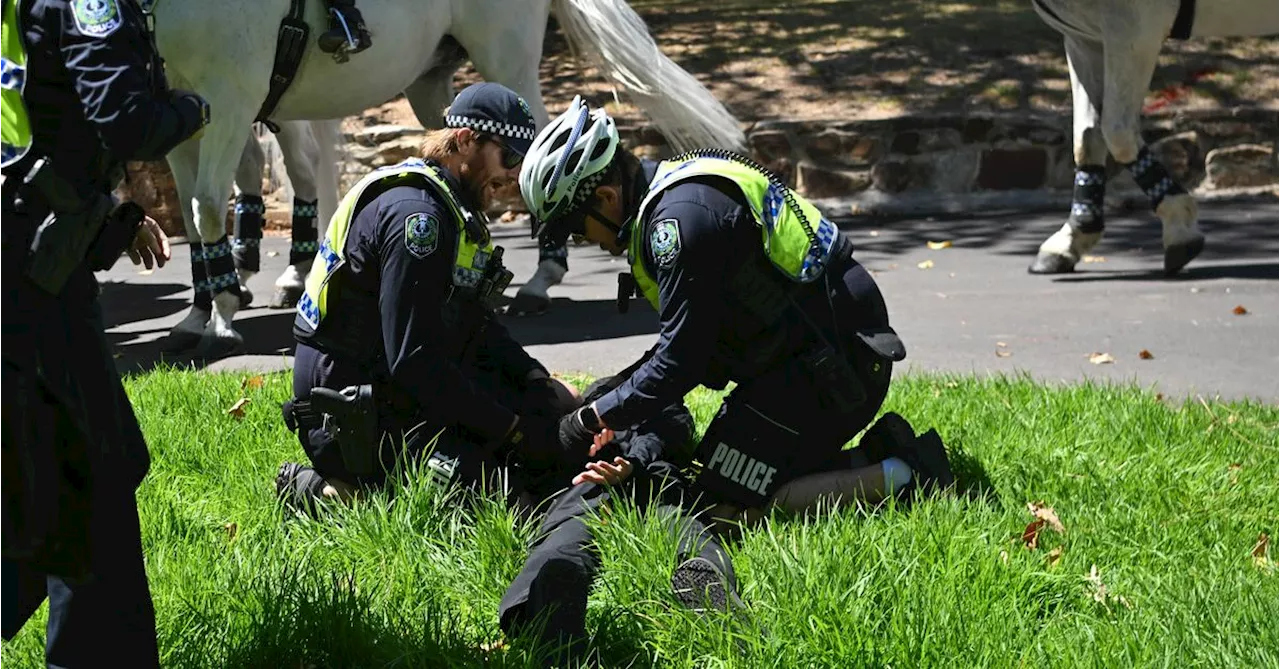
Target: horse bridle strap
(290, 45)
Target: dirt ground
(856, 59)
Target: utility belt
(349, 416)
(82, 226)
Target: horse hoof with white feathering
(225, 52)
(1112, 49)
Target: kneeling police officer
(752, 285)
(398, 350)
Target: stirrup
(344, 50)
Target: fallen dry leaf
(272, 254)
(1101, 358)
(251, 382)
(1159, 397)
(1093, 259)
(231, 529)
(1239, 310)
(1145, 354)
(925, 265)
(1001, 344)
(237, 409)
(1054, 556)
(1031, 535)
(1260, 548)
(938, 246)
(1046, 513)
(1002, 353)
(507, 216)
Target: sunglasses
(510, 159)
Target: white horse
(225, 50)
(1112, 47)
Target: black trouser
(549, 596)
(73, 457)
(454, 453)
(792, 421)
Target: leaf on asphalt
(925, 265)
(1046, 513)
(1239, 310)
(1054, 556)
(1145, 354)
(938, 246)
(251, 382)
(1093, 259)
(1001, 344)
(145, 272)
(507, 216)
(1101, 358)
(1001, 353)
(237, 410)
(272, 254)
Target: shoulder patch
(664, 241)
(96, 18)
(421, 232)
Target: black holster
(82, 227)
(350, 416)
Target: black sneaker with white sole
(927, 458)
(699, 585)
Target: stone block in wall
(844, 148)
(816, 181)
(895, 174)
(1182, 156)
(1240, 166)
(769, 145)
(1008, 133)
(926, 140)
(1008, 169)
(953, 171)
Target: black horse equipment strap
(1185, 19)
(290, 45)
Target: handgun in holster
(81, 227)
(495, 280)
(350, 416)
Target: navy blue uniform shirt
(707, 233)
(95, 88)
(407, 340)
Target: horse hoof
(246, 297)
(1177, 256)
(212, 348)
(526, 304)
(1051, 263)
(285, 298)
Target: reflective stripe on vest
(15, 129)
(469, 261)
(782, 233)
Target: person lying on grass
(752, 285)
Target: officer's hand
(605, 473)
(150, 245)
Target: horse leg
(299, 149)
(249, 213)
(1131, 49)
(220, 147)
(183, 161)
(430, 93)
(1060, 252)
(514, 64)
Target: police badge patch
(96, 18)
(421, 232)
(664, 241)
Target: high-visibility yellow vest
(15, 131)
(470, 258)
(784, 236)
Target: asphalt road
(975, 309)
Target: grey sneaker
(699, 585)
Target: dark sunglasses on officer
(510, 159)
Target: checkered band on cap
(492, 127)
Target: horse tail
(616, 40)
(328, 134)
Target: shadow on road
(270, 333)
(577, 321)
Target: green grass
(1166, 500)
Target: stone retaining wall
(911, 156)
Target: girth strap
(1183, 22)
(290, 45)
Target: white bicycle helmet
(566, 162)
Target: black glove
(578, 430)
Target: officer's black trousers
(73, 457)
(549, 596)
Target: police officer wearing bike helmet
(752, 285)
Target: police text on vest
(746, 471)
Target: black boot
(336, 41)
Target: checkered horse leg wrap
(548, 249)
(250, 211)
(219, 271)
(1153, 178)
(1086, 199)
(304, 232)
